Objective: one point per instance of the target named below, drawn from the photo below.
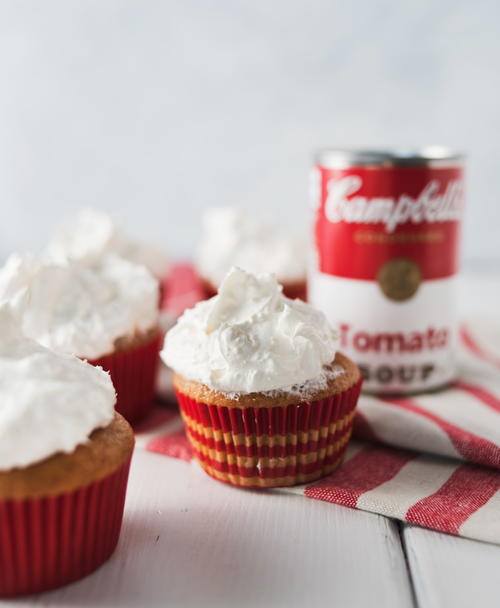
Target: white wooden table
(189, 541)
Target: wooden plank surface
(191, 541)
(451, 571)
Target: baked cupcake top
(251, 338)
(78, 309)
(234, 237)
(93, 234)
(49, 402)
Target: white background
(156, 109)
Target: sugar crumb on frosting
(303, 391)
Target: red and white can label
(386, 258)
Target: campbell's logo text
(343, 204)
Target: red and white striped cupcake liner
(270, 446)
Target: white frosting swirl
(76, 309)
(250, 338)
(93, 234)
(49, 402)
(233, 237)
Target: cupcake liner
(270, 446)
(209, 290)
(133, 373)
(163, 286)
(48, 542)
(295, 290)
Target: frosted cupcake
(93, 234)
(234, 237)
(266, 398)
(106, 313)
(64, 461)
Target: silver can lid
(428, 156)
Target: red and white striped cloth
(431, 460)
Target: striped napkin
(431, 460)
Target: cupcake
(93, 234)
(266, 398)
(106, 313)
(64, 462)
(234, 237)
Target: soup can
(385, 263)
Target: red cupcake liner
(163, 287)
(296, 290)
(270, 446)
(51, 541)
(133, 373)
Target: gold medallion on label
(399, 279)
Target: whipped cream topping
(234, 237)
(77, 309)
(93, 234)
(49, 402)
(250, 338)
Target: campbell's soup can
(386, 234)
